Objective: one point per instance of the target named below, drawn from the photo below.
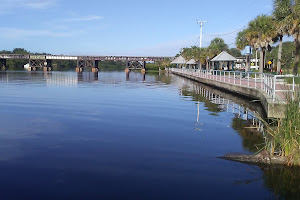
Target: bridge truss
(40, 61)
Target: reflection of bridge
(73, 79)
(45, 61)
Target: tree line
(261, 33)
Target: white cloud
(84, 18)
(27, 33)
(10, 5)
(39, 4)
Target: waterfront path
(271, 90)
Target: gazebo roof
(179, 60)
(224, 56)
(191, 62)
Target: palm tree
(261, 33)
(219, 44)
(187, 53)
(292, 24)
(241, 42)
(281, 11)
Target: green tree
(235, 52)
(292, 24)
(261, 33)
(189, 53)
(281, 11)
(244, 39)
(20, 51)
(287, 58)
(218, 43)
(241, 40)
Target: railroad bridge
(45, 61)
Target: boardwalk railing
(273, 85)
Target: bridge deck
(95, 58)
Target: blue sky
(131, 27)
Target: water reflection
(118, 138)
(283, 181)
(72, 79)
(135, 76)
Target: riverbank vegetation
(159, 65)
(284, 139)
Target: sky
(131, 27)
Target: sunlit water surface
(114, 135)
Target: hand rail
(269, 83)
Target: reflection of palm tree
(252, 139)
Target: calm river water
(65, 135)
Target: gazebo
(223, 61)
(192, 63)
(179, 61)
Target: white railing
(273, 85)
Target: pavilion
(179, 61)
(192, 63)
(224, 61)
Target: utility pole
(201, 27)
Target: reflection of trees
(252, 140)
(163, 77)
(214, 108)
(283, 181)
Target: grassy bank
(284, 138)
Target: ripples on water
(112, 135)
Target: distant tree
(5, 52)
(219, 44)
(20, 51)
(235, 52)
